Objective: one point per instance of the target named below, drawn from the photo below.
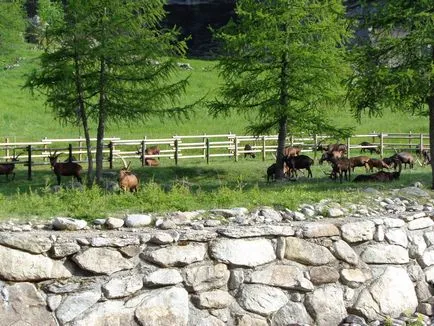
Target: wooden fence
(204, 147)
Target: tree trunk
(431, 121)
(281, 138)
(431, 135)
(101, 122)
(283, 102)
(84, 120)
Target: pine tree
(110, 60)
(393, 62)
(283, 63)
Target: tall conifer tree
(282, 64)
(110, 60)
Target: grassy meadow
(192, 184)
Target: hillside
(25, 117)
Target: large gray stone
(323, 275)
(326, 305)
(420, 223)
(397, 237)
(385, 254)
(18, 265)
(257, 231)
(117, 242)
(120, 287)
(76, 303)
(163, 277)
(216, 299)
(284, 276)
(242, 252)
(307, 253)
(343, 251)
(35, 244)
(177, 255)
(68, 223)
(111, 312)
(358, 231)
(63, 249)
(316, 230)
(22, 304)
(261, 299)
(138, 220)
(102, 261)
(366, 306)
(206, 277)
(394, 292)
(290, 314)
(168, 306)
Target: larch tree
(110, 60)
(283, 62)
(394, 60)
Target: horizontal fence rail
(204, 147)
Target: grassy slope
(24, 117)
(191, 185)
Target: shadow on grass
(244, 175)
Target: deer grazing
(128, 181)
(8, 168)
(65, 169)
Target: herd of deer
(342, 166)
(128, 181)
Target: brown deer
(65, 169)
(128, 181)
(150, 161)
(8, 168)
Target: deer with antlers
(8, 168)
(67, 168)
(128, 181)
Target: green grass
(191, 185)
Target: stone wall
(219, 272)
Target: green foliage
(283, 61)
(109, 61)
(393, 65)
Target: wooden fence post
(204, 139)
(29, 161)
(142, 152)
(110, 146)
(420, 144)
(348, 147)
(409, 140)
(176, 151)
(207, 150)
(381, 145)
(263, 148)
(236, 148)
(80, 144)
(315, 146)
(7, 147)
